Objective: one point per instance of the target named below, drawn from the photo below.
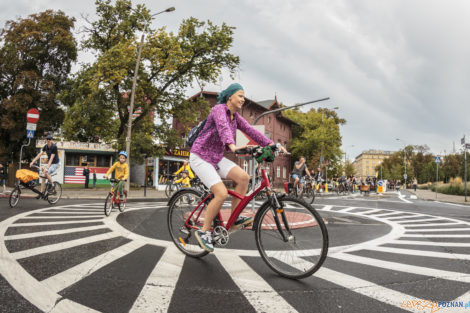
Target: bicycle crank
(220, 236)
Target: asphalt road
(386, 254)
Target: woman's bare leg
(241, 179)
(220, 195)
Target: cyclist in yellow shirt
(122, 172)
(184, 179)
(185, 167)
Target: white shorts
(53, 168)
(206, 171)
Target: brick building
(275, 126)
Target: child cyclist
(207, 157)
(122, 172)
(184, 179)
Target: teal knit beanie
(225, 94)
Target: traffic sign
(467, 146)
(437, 159)
(32, 115)
(31, 126)
(405, 176)
(30, 134)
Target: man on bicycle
(50, 149)
(298, 172)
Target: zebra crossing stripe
(436, 236)
(434, 224)
(72, 275)
(256, 290)
(431, 243)
(422, 253)
(434, 219)
(327, 208)
(62, 245)
(161, 283)
(53, 232)
(94, 212)
(61, 217)
(366, 288)
(436, 230)
(406, 268)
(100, 219)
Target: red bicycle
(290, 235)
(112, 200)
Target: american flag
(74, 175)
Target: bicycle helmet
(124, 153)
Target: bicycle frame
(240, 207)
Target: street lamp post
(134, 83)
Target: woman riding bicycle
(208, 162)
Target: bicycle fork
(276, 209)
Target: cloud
(395, 68)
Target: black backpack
(193, 133)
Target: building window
(284, 174)
(103, 160)
(72, 159)
(269, 119)
(278, 171)
(251, 113)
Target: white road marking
(423, 253)
(61, 246)
(406, 268)
(436, 236)
(161, 283)
(72, 275)
(53, 232)
(61, 217)
(433, 224)
(326, 208)
(57, 223)
(435, 219)
(436, 230)
(257, 291)
(431, 243)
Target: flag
(74, 175)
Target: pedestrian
(94, 178)
(86, 173)
(3, 175)
(415, 183)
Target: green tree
(98, 95)
(316, 134)
(36, 54)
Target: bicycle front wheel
(14, 197)
(292, 239)
(170, 189)
(55, 194)
(108, 204)
(178, 212)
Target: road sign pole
(465, 152)
(437, 176)
(21, 151)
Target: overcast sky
(395, 69)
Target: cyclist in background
(50, 149)
(184, 179)
(186, 167)
(122, 173)
(298, 172)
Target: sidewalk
(431, 196)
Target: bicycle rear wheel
(178, 212)
(303, 249)
(108, 204)
(170, 189)
(14, 197)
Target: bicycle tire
(108, 204)
(176, 218)
(54, 198)
(122, 206)
(170, 189)
(14, 197)
(309, 229)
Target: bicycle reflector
(267, 155)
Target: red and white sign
(32, 116)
